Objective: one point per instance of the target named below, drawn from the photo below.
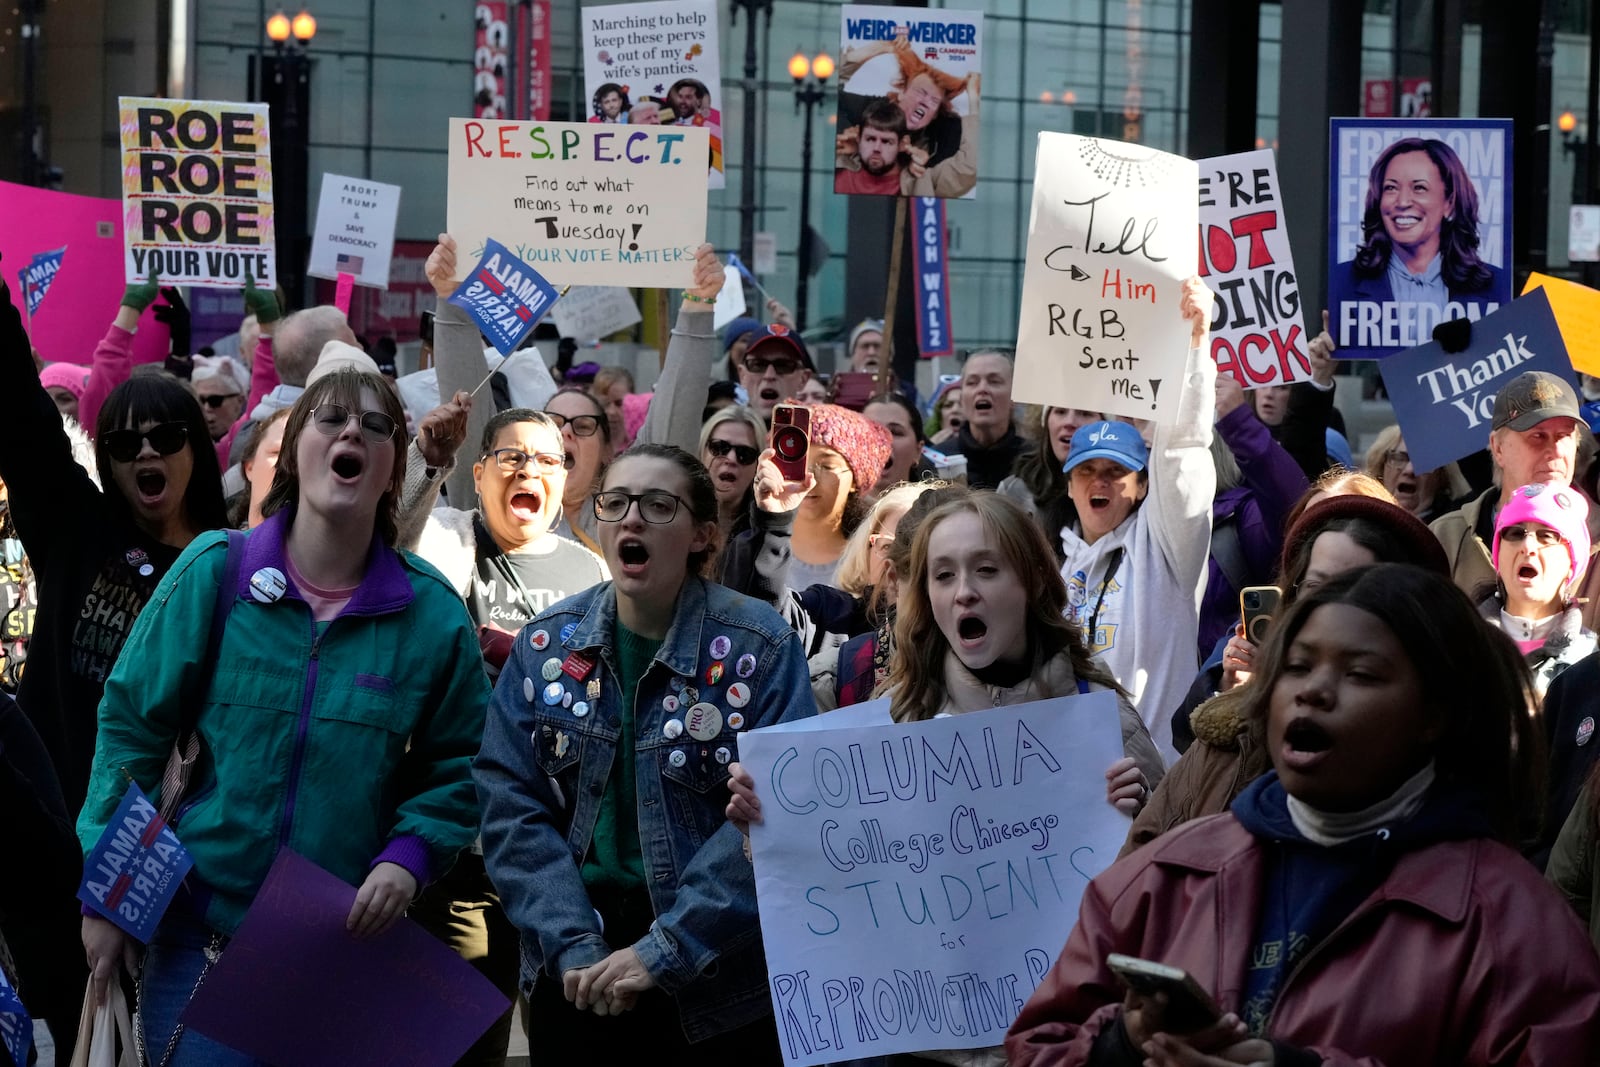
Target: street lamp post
(810, 76)
(287, 88)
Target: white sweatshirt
(1150, 614)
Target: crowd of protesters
(490, 658)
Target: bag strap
(1227, 550)
(227, 593)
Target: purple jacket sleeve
(1269, 471)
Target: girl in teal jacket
(340, 719)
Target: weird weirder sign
(1444, 401)
(1256, 333)
(916, 880)
(197, 192)
(1110, 242)
(585, 204)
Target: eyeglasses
(1396, 457)
(783, 365)
(654, 507)
(331, 419)
(1543, 536)
(515, 459)
(217, 401)
(744, 454)
(582, 425)
(165, 437)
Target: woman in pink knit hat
(847, 456)
(1541, 551)
(64, 382)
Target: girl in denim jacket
(602, 779)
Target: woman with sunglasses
(606, 835)
(326, 725)
(1540, 555)
(731, 442)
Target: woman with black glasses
(730, 444)
(338, 717)
(605, 835)
(586, 438)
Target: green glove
(262, 303)
(139, 297)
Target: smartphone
(1189, 1007)
(1257, 605)
(791, 440)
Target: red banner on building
(539, 63)
(489, 63)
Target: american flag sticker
(349, 264)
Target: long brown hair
(916, 673)
(342, 387)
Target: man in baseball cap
(1533, 438)
(774, 367)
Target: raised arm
(458, 358)
(680, 393)
(113, 356)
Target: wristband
(700, 299)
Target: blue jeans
(172, 966)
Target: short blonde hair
(855, 563)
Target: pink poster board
(84, 296)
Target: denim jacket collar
(679, 651)
(384, 588)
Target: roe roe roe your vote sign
(197, 191)
(584, 204)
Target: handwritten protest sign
(295, 987)
(1577, 312)
(655, 63)
(1419, 216)
(1110, 242)
(505, 297)
(1256, 333)
(908, 101)
(917, 880)
(1444, 401)
(197, 192)
(591, 311)
(355, 230)
(132, 873)
(585, 204)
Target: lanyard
(1111, 573)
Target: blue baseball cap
(1108, 440)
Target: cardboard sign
(1256, 331)
(355, 230)
(916, 880)
(505, 297)
(37, 276)
(1444, 402)
(1110, 242)
(908, 107)
(295, 987)
(1419, 216)
(197, 192)
(1577, 311)
(132, 873)
(932, 271)
(656, 63)
(588, 312)
(585, 204)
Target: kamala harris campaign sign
(1444, 401)
(1420, 217)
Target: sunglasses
(783, 365)
(331, 419)
(1543, 536)
(215, 402)
(743, 454)
(165, 437)
(582, 425)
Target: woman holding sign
(339, 718)
(601, 777)
(1358, 904)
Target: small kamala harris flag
(135, 869)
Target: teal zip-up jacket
(350, 742)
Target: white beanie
(337, 355)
